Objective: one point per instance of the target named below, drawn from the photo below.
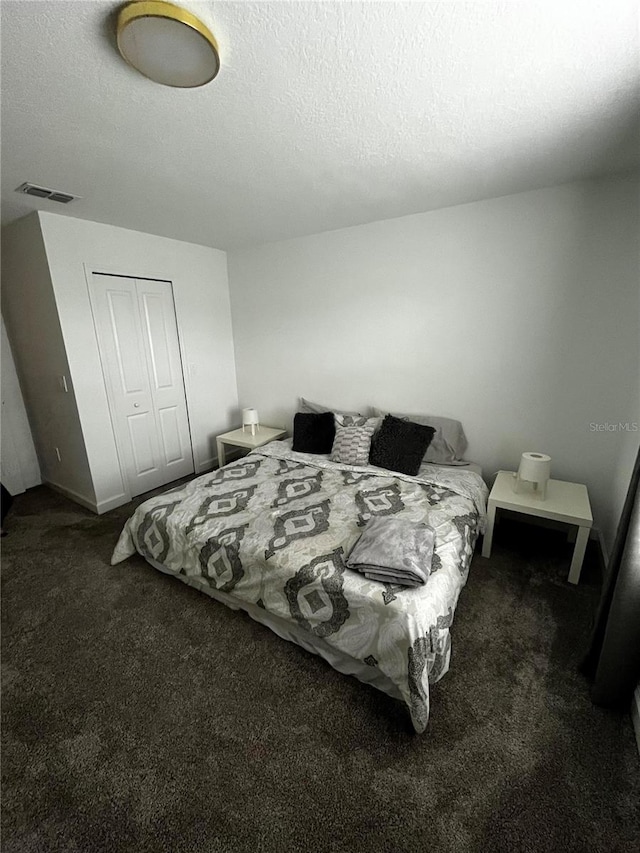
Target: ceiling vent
(43, 192)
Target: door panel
(127, 342)
(167, 384)
(141, 429)
(170, 432)
(139, 348)
(157, 335)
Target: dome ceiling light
(167, 44)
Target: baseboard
(212, 464)
(73, 496)
(206, 466)
(112, 503)
(635, 714)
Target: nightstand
(240, 438)
(566, 502)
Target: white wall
(75, 248)
(29, 309)
(517, 315)
(19, 468)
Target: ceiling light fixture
(167, 44)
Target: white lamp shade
(534, 469)
(167, 44)
(250, 417)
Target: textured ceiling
(324, 115)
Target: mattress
(270, 534)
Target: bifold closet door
(138, 341)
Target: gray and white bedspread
(274, 529)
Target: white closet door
(160, 335)
(138, 340)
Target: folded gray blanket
(394, 550)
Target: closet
(123, 347)
(140, 354)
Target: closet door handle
(136, 405)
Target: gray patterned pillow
(353, 439)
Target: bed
(269, 533)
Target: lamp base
(530, 487)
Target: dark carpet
(139, 715)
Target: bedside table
(238, 438)
(566, 502)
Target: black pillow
(313, 433)
(400, 445)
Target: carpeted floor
(139, 715)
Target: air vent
(43, 192)
(63, 198)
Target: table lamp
(535, 469)
(250, 419)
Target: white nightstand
(240, 438)
(567, 502)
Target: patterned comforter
(274, 529)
